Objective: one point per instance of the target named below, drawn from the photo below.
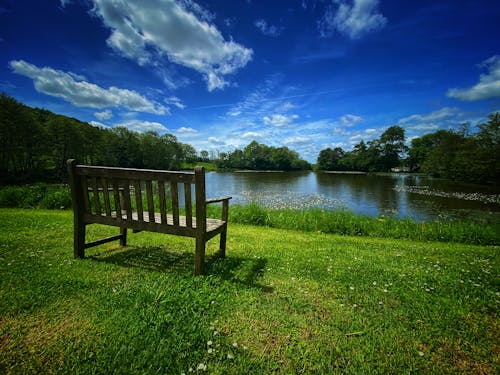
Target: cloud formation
(146, 31)
(279, 120)
(186, 130)
(352, 18)
(487, 87)
(104, 115)
(143, 126)
(266, 29)
(350, 120)
(74, 89)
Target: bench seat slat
(213, 225)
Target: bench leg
(222, 244)
(123, 234)
(199, 256)
(79, 240)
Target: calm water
(400, 195)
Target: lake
(400, 195)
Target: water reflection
(398, 195)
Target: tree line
(257, 156)
(457, 155)
(35, 144)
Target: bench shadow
(241, 270)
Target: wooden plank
(188, 205)
(138, 200)
(85, 192)
(149, 198)
(201, 208)
(95, 194)
(163, 202)
(105, 192)
(103, 241)
(141, 225)
(174, 192)
(116, 196)
(78, 210)
(131, 173)
(126, 199)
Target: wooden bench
(144, 200)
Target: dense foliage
(457, 155)
(378, 155)
(35, 144)
(256, 156)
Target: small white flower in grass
(201, 367)
(380, 303)
(374, 283)
(209, 342)
(235, 344)
(210, 351)
(351, 287)
(385, 291)
(230, 356)
(245, 347)
(421, 354)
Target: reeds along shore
(484, 230)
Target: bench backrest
(109, 195)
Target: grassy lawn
(282, 302)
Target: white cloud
(143, 126)
(252, 135)
(74, 89)
(266, 29)
(216, 141)
(439, 115)
(297, 140)
(98, 124)
(104, 115)
(173, 100)
(353, 18)
(350, 120)
(279, 120)
(487, 87)
(147, 30)
(183, 130)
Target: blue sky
(306, 74)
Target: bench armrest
(220, 199)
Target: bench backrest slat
(105, 193)
(149, 198)
(174, 192)
(138, 200)
(188, 205)
(163, 202)
(126, 199)
(116, 197)
(95, 195)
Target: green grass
(209, 166)
(282, 301)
